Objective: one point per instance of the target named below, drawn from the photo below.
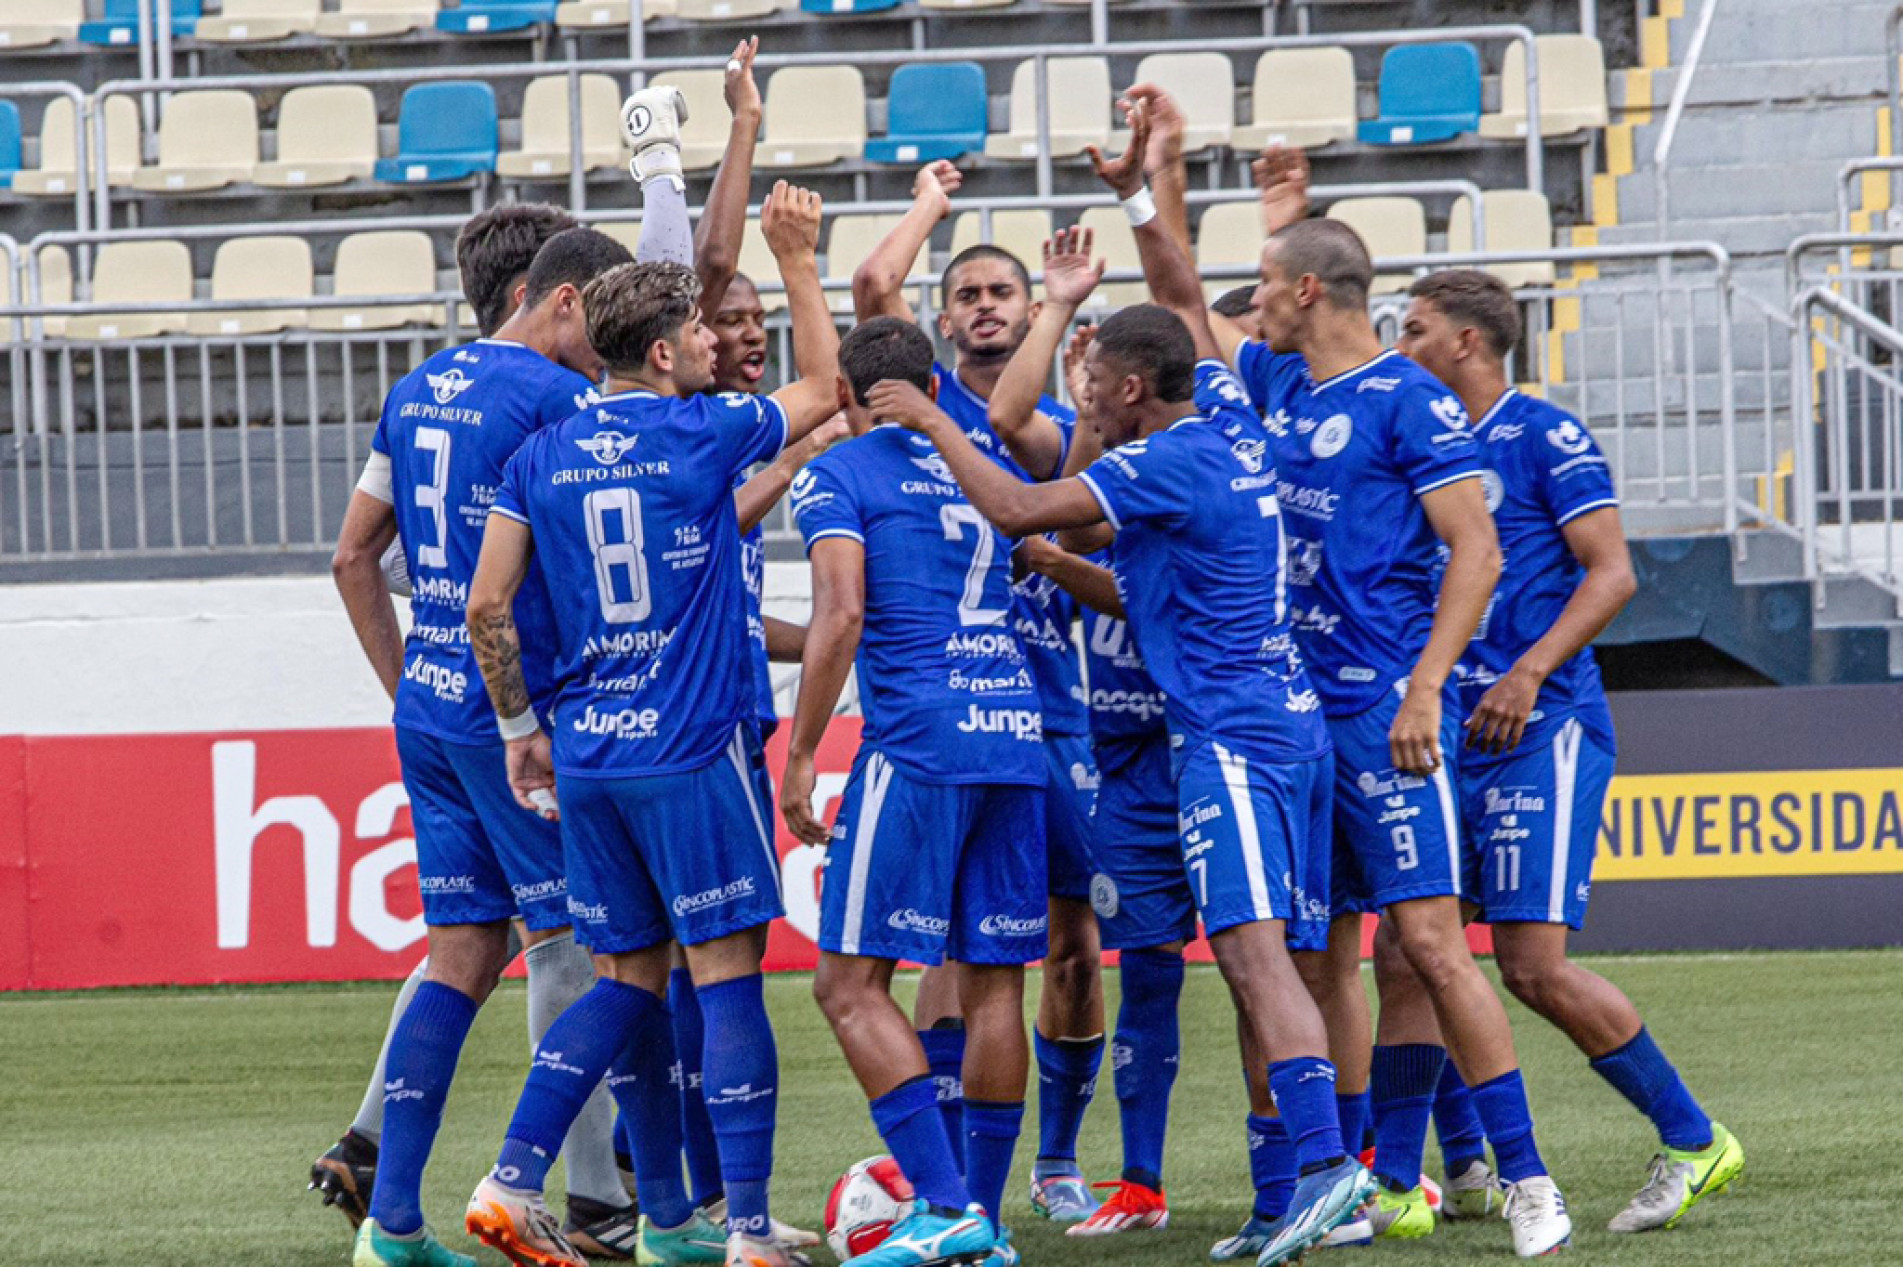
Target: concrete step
(1857, 77)
(1758, 30)
(1632, 351)
(1742, 235)
(1766, 558)
(1715, 191)
(1765, 134)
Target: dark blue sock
(991, 1136)
(1271, 1166)
(1503, 1111)
(1462, 1141)
(1642, 1074)
(697, 1129)
(1145, 1059)
(742, 1082)
(416, 1077)
(909, 1122)
(569, 1061)
(1304, 1091)
(624, 1141)
(1357, 1120)
(1066, 1081)
(945, 1054)
(643, 1088)
(1402, 1082)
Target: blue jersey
(753, 575)
(1126, 704)
(1355, 454)
(1543, 470)
(449, 427)
(943, 680)
(1199, 563)
(631, 506)
(1041, 612)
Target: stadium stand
(704, 135)
(1079, 109)
(326, 135)
(380, 264)
(1304, 98)
(10, 142)
(479, 17)
(119, 22)
(1429, 92)
(54, 175)
(1390, 226)
(376, 19)
(851, 239)
(933, 110)
(1021, 232)
(137, 273)
(1204, 88)
(757, 263)
(56, 285)
(544, 152)
(445, 132)
(259, 21)
(1516, 220)
(207, 140)
(1117, 247)
(37, 23)
(723, 10)
(1572, 88)
(1229, 233)
(814, 115)
(248, 269)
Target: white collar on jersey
(502, 343)
(1345, 375)
(637, 393)
(1496, 406)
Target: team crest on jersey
(1250, 454)
(1332, 436)
(1494, 487)
(448, 385)
(803, 482)
(934, 465)
(1569, 437)
(1450, 414)
(607, 447)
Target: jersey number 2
(953, 517)
(621, 568)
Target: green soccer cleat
(1680, 1180)
(699, 1240)
(1474, 1193)
(377, 1248)
(1400, 1216)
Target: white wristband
(521, 726)
(1140, 207)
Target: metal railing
(83, 107)
(1681, 92)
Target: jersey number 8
(621, 567)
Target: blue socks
(1403, 1082)
(416, 1076)
(1462, 1141)
(650, 1122)
(569, 1061)
(1271, 1167)
(1145, 1059)
(742, 1086)
(697, 1129)
(1641, 1073)
(1067, 1079)
(945, 1055)
(909, 1122)
(1503, 1111)
(1304, 1091)
(1356, 1110)
(991, 1136)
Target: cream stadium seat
(965, 4)
(56, 285)
(327, 135)
(1204, 88)
(377, 19)
(1080, 109)
(589, 15)
(1517, 220)
(704, 135)
(544, 152)
(723, 10)
(255, 21)
(814, 115)
(1116, 245)
(1304, 98)
(757, 262)
(1023, 233)
(207, 140)
(257, 268)
(379, 264)
(54, 177)
(1229, 233)
(851, 239)
(136, 273)
(626, 232)
(37, 23)
(1572, 88)
(1389, 226)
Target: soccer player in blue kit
(1540, 746)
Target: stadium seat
(544, 152)
(257, 268)
(704, 135)
(377, 265)
(118, 23)
(136, 273)
(814, 115)
(1389, 226)
(848, 6)
(723, 10)
(1023, 233)
(1079, 111)
(1429, 92)
(9, 143)
(1572, 88)
(327, 134)
(1204, 88)
(255, 21)
(1517, 220)
(54, 176)
(757, 262)
(444, 131)
(37, 23)
(1116, 245)
(626, 232)
(376, 19)
(56, 286)
(588, 15)
(207, 140)
(1304, 98)
(482, 17)
(934, 110)
(1229, 233)
(849, 241)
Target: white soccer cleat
(1472, 1194)
(1537, 1213)
(651, 124)
(518, 1226)
(1357, 1231)
(751, 1251)
(785, 1235)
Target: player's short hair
(631, 307)
(1239, 302)
(1154, 342)
(882, 348)
(1469, 297)
(573, 257)
(495, 249)
(1334, 253)
(738, 279)
(971, 254)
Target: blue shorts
(1141, 893)
(1532, 820)
(1070, 800)
(480, 857)
(687, 857)
(934, 871)
(1397, 836)
(1255, 841)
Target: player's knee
(1432, 958)
(1533, 981)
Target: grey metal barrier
(82, 137)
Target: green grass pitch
(173, 1128)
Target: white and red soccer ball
(868, 1199)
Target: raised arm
(506, 548)
(1163, 159)
(724, 219)
(790, 221)
(839, 614)
(357, 568)
(1086, 442)
(1033, 437)
(878, 284)
(1090, 584)
(754, 499)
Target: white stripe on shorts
(1565, 778)
(1235, 777)
(737, 753)
(1444, 788)
(878, 779)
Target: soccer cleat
(785, 1235)
(519, 1227)
(927, 1236)
(751, 1251)
(378, 1248)
(1003, 1252)
(699, 1240)
(651, 123)
(345, 1175)
(1537, 1213)
(1474, 1193)
(1323, 1201)
(1250, 1241)
(600, 1230)
(1353, 1234)
(1400, 1216)
(1131, 1208)
(1063, 1197)
(1680, 1180)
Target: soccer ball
(865, 1203)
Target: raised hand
(790, 221)
(1074, 376)
(743, 94)
(891, 400)
(1281, 182)
(1167, 126)
(1069, 273)
(1124, 174)
(935, 183)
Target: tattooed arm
(506, 548)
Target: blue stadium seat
(848, 6)
(119, 22)
(9, 143)
(481, 17)
(934, 111)
(444, 131)
(1429, 92)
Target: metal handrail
(1681, 92)
(1807, 243)
(82, 136)
(1846, 177)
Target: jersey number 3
(615, 539)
